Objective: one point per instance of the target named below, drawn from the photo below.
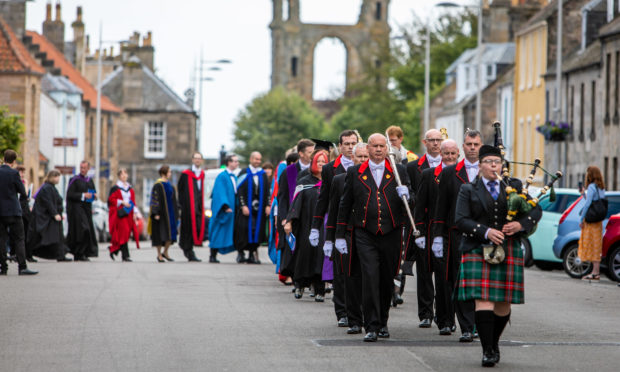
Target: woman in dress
(163, 214)
(591, 239)
(121, 217)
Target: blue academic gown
(274, 254)
(221, 225)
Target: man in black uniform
(11, 223)
(81, 193)
(425, 291)
(347, 263)
(372, 203)
(347, 140)
(426, 198)
(444, 231)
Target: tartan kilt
(501, 282)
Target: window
(522, 63)
(539, 48)
(561, 203)
(546, 105)
(147, 186)
(607, 78)
(593, 111)
(581, 112)
(613, 205)
(617, 87)
(155, 140)
(530, 69)
(615, 175)
(572, 107)
(378, 12)
(294, 66)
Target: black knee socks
(498, 327)
(485, 322)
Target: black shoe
(298, 293)
(453, 328)
(384, 333)
(160, 260)
(425, 323)
(488, 359)
(319, 298)
(354, 330)
(251, 259)
(194, 259)
(64, 259)
(398, 299)
(127, 259)
(466, 337)
(112, 256)
(213, 260)
(167, 258)
(370, 337)
(343, 322)
(496, 353)
(85, 259)
(28, 272)
(241, 257)
(31, 259)
(445, 331)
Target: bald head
(256, 159)
(432, 141)
(449, 152)
(377, 147)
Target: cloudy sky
(232, 29)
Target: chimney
(48, 12)
(147, 40)
(79, 41)
(14, 14)
(54, 31)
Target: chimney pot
(48, 11)
(79, 13)
(58, 17)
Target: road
(180, 316)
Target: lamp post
(558, 82)
(479, 69)
(201, 68)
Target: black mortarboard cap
(488, 150)
(321, 144)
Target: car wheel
(528, 260)
(574, 267)
(613, 265)
(546, 265)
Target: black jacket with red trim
(414, 170)
(450, 180)
(378, 210)
(328, 172)
(335, 194)
(425, 200)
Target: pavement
(180, 316)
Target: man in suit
(426, 198)
(425, 291)
(347, 140)
(372, 204)
(11, 224)
(446, 235)
(481, 216)
(348, 263)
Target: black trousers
(339, 298)
(12, 228)
(317, 283)
(352, 284)
(379, 257)
(443, 293)
(465, 310)
(426, 292)
(124, 251)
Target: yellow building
(529, 95)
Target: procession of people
(350, 218)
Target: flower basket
(554, 132)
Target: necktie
(493, 190)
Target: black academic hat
(488, 150)
(321, 144)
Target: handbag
(122, 212)
(493, 254)
(597, 211)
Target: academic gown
(307, 261)
(80, 217)
(222, 223)
(121, 227)
(192, 209)
(275, 230)
(251, 230)
(45, 237)
(163, 204)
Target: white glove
(328, 247)
(421, 242)
(341, 246)
(314, 237)
(402, 191)
(438, 247)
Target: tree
(273, 123)
(11, 130)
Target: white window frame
(154, 154)
(522, 63)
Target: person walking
(223, 205)
(11, 224)
(162, 225)
(121, 218)
(591, 239)
(81, 237)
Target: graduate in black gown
(45, 238)
(306, 265)
(191, 196)
(80, 196)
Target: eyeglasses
(492, 161)
(433, 139)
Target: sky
(237, 30)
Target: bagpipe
(520, 203)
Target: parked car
(611, 247)
(566, 242)
(541, 241)
(143, 235)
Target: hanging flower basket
(554, 132)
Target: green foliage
(11, 130)
(274, 122)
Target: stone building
(157, 127)
(20, 88)
(294, 43)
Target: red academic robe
(121, 227)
